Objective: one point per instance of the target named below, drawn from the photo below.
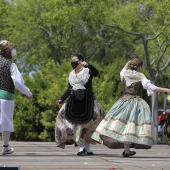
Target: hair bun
(135, 63)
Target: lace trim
(78, 81)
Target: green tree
(35, 120)
(57, 29)
(4, 13)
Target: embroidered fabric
(78, 81)
(132, 76)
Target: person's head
(7, 49)
(76, 60)
(136, 63)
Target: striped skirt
(127, 121)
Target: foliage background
(47, 33)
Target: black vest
(6, 82)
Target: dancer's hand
(29, 97)
(168, 91)
(84, 63)
(127, 65)
(60, 103)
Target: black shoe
(126, 155)
(131, 153)
(88, 153)
(81, 153)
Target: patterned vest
(134, 90)
(6, 82)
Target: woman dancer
(82, 112)
(128, 122)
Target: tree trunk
(154, 110)
(145, 45)
(165, 101)
(154, 118)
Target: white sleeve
(148, 86)
(122, 73)
(18, 80)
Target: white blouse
(145, 82)
(18, 80)
(78, 81)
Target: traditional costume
(128, 122)
(10, 78)
(81, 113)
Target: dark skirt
(74, 129)
(80, 111)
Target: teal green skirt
(127, 121)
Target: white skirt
(6, 115)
